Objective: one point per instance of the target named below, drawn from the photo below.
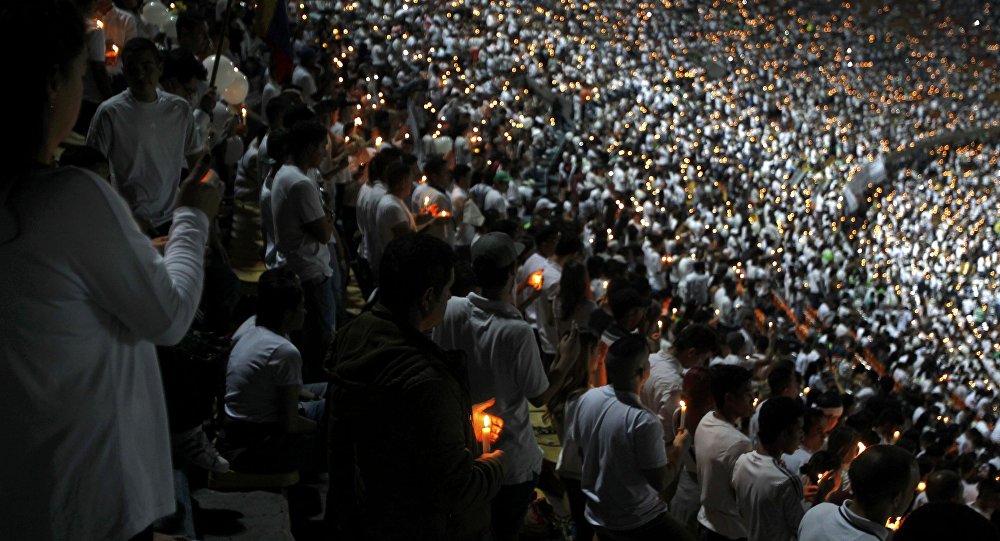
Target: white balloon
(227, 70)
(236, 91)
(155, 13)
(171, 27)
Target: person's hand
(208, 100)
(569, 346)
(478, 416)
(202, 190)
(498, 454)
(809, 492)
(679, 438)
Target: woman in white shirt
(86, 451)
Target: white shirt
(570, 463)
(769, 497)
(534, 263)
(303, 78)
(426, 195)
(85, 297)
(618, 439)
(661, 392)
(368, 197)
(717, 445)
(147, 145)
(544, 312)
(503, 363)
(296, 201)
(796, 460)
(465, 231)
(391, 211)
(261, 361)
(272, 259)
(829, 522)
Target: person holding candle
(400, 413)
(431, 197)
(884, 480)
(768, 493)
(698, 401)
(86, 297)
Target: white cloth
(769, 497)
(829, 522)
(147, 145)
(426, 195)
(569, 464)
(85, 297)
(717, 445)
(296, 201)
(796, 460)
(545, 316)
(661, 392)
(391, 212)
(534, 263)
(503, 363)
(618, 439)
(261, 361)
(303, 78)
(368, 197)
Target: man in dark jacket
(404, 462)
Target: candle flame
(486, 423)
(683, 406)
(921, 486)
(99, 23)
(861, 447)
(893, 524)
(535, 280)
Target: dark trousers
(709, 535)
(660, 528)
(508, 509)
(582, 530)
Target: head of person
(494, 259)
(574, 289)
(141, 65)
(813, 436)
(783, 380)
(628, 307)
(627, 363)
(546, 239)
(832, 406)
(50, 80)
(415, 278)
(696, 391)
(884, 479)
(307, 144)
(461, 176)
(944, 486)
(695, 344)
(569, 246)
(280, 302)
(437, 172)
(192, 33)
(380, 161)
(732, 390)
(181, 73)
(275, 112)
(501, 181)
(989, 494)
(398, 179)
(781, 424)
(946, 520)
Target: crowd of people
(741, 253)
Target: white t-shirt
(303, 78)
(661, 392)
(769, 497)
(465, 231)
(260, 362)
(391, 212)
(534, 263)
(368, 197)
(425, 195)
(717, 445)
(295, 201)
(85, 447)
(544, 312)
(617, 441)
(147, 145)
(829, 522)
(503, 363)
(272, 259)
(119, 26)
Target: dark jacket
(401, 440)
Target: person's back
(296, 200)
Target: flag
(270, 22)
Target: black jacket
(401, 440)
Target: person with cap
(884, 480)
(504, 365)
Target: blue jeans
(317, 332)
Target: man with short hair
(621, 447)
(718, 443)
(504, 364)
(567, 249)
(661, 392)
(884, 479)
(768, 494)
(431, 197)
(400, 427)
(146, 163)
(782, 380)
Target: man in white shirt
(504, 364)
(621, 447)
(567, 249)
(430, 198)
(488, 194)
(884, 479)
(393, 218)
(302, 230)
(769, 495)
(302, 76)
(781, 381)
(264, 382)
(369, 195)
(718, 443)
(661, 392)
(813, 440)
(147, 134)
(546, 239)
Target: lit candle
(684, 410)
(861, 447)
(895, 436)
(243, 113)
(487, 430)
(659, 326)
(893, 524)
(921, 486)
(535, 280)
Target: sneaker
(194, 447)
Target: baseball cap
(496, 248)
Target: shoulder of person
(173, 100)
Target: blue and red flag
(271, 24)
